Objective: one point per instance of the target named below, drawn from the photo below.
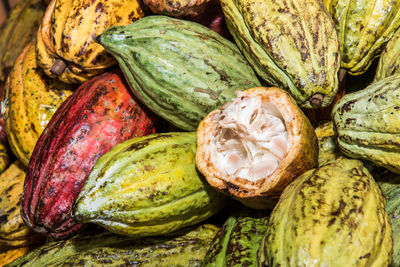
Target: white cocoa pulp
(250, 139)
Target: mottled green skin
(367, 123)
(148, 186)
(389, 60)
(290, 44)
(237, 242)
(185, 248)
(179, 69)
(390, 186)
(331, 216)
(364, 27)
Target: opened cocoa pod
(253, 147)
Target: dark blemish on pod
(3, 219)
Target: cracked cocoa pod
(178, 8)
(253, 147)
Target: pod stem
(316, 100)
(58, 67)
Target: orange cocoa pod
(253, 147)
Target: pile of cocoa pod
(200, 133)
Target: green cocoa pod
(290, 44)
(389, 61)
(390, 186)
(364, 27)
(328, 150)
(367, 123)
(179, 69)
(186, 247)
(330, 216)
(237, 242)
(147, 186)
(18, 30)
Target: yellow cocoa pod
(290, 44)
(31, 98)
(12, 254)
(66, 46)
(389, 61)
(13, 231)
(4, 157)
(364, 27)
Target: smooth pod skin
(66, 46)
(330, 216)
(367, 123)
(148, 186)
(362, 37)
(17, 31)
(186, 247)
(179, 69)
(100, 114)
(31, 99)
(13, 231)
(301, 156)
(290, 44)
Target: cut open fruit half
(254, 146)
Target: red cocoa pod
(101, 113)
(214, 19)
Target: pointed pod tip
(316, 100)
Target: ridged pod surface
(179, 69)
(390, 186)
(65, 45)
(17, 31)
(148, 186)
(290, 44)
(364, 27)
(31, 99)
(184, 248)
(98, 115)
(328, 149)
(4, 157)
(300, 144)
(12, 254)
(331, 216)
(237, 242)
(389, 60)
(368, 125)
(13, 231)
